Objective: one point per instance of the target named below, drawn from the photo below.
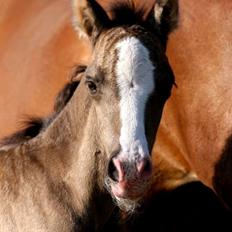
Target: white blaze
(135, 78)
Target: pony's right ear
(89, 17)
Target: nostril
(144, 167)
(112, 171)
(115, 170)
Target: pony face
(129, 80)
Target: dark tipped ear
(165, 16)
(89, 17)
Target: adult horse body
(52, 179)
(194, 138)
(41, 45)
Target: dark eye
(91, 86)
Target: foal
(55, 180)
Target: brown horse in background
(194, 139)
(193, 142)
(41, 45)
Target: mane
(32, 126)
(128, 12)
(139, 12)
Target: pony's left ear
(164, 15)
(89, 17)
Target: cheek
(109, 125)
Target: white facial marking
(135, 78)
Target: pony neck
(71, 154)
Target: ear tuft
(89, 18)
